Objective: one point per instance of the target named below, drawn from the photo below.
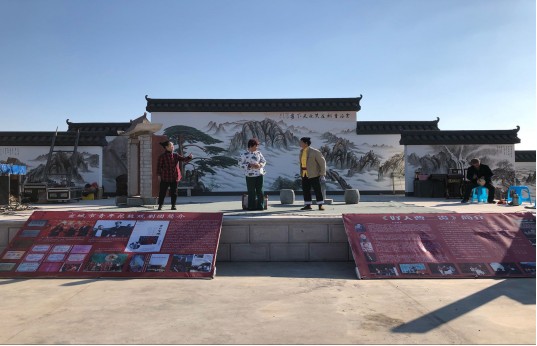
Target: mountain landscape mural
(61, 163)
(440, 159)
(216, 147)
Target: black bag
(245, 201)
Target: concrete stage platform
(231, 207)
(312, 298)
(280, 233)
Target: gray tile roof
(110, 129)
(524, 155)
(253, 105)
(460, 137)
(39, 139)
(394, 127)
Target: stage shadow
(11, 281)
(519, 289)
(80, 282)
(313, 270)
(92, 280)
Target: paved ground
(269, 303)
(272, 303)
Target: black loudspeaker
(455, 185)
(4, 190)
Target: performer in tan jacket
(312, 170)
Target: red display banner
(98, 244)
(442, 245)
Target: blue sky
(470, 62)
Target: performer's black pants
(254, 185)
(164, 185)
(307, 185)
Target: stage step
(283, 239)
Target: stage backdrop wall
(217, 138)
(390, 170)
(525, 175)
(438, 159)
(114, 161)
(35, 158)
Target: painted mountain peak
(267, 131)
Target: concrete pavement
(271, 302)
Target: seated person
(95, 187)
(477, 171)
(89, 192)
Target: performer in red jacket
(168, 173)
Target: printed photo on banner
(157, 263)
(13, 255)
(181, 263)
(28, 267)
(7, 267)
(70, 267)
(106, 262)
(478, 269)
(202, 263)
(113, 228)
(192, 263)
(41, 248)
(137, 263)
(34, 257)
(505, 269)
(147, 236)
(61, 248)
(37, 223)
(383, 269)
(55, 257)
(443, 268)
(64, 228)
(413, 268)
(359, 227)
